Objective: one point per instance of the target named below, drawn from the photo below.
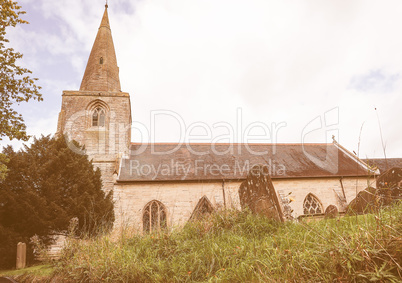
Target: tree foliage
(46, 186)
(16, 84)
(3, 166)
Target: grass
(36, 272)
(238, 247)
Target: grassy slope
(38, 271)
(238, 247)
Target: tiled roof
(384, 164)
(172, 162)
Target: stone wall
(75, 120)
(108, 170)
(327, 190)
(180, 198)
(104, 145)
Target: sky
(229, 70)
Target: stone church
(166, 184)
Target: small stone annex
(166, 184)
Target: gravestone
(367, 201)
(331, 211)
(390, 178)
(258, 194)
(21, 255)
(389, 184)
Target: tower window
(98, 117)
(101, 60)
(154, 217)
(312, 205)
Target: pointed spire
(102, 73)
(105, 19)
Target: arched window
(203, 208)
(98, 117)
(154, 217)
(312, 205)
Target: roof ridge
(381, 158)
(210, 143)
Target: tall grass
(238, 246)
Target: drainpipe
(343, 190)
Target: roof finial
(106, 5)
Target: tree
(47, 185)
(3, 166)
(16, 85)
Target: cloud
(375, 81)
(280, 61)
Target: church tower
(99, 114)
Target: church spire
(102, 73)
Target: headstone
(389, 184)
(331, 211)
(390, 178)
(258, 194)
(367, 201)
(21, 255)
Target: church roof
(384, 164)
(204, 161)
(102, 73)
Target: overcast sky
(304, 70)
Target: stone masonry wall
(180, 198)
(75, 119)
(104, 145)
(108, 176)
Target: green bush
(47, 184)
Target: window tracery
(154, 217)
(98, 117)
(312, 205)
(204, 207)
